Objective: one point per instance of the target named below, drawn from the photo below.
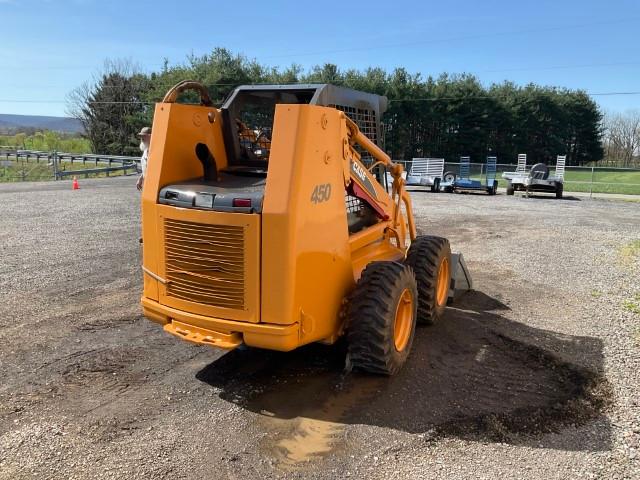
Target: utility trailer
(463, 182)
(521, 168)
(538, 179)
(426, 172)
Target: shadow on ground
(550, 196)
(547, 196)
(475, 375)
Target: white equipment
(521, 169)
(426, 172)
(538, 178)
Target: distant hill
(59, 124)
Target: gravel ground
(535, 374)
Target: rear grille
(205, 263)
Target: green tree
(113, 109)
(447, 116)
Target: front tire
(381, 318)
(430, 259)
(559, 189)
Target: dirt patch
(464, 378)
(511, 385)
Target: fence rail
(58, 161)
(577, 179)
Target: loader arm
(362, 184)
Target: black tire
(449, 177)
(510, 189)
(495, 188)
(448, 189)
(425, 257)
(371, 318)
(559, 189)
(540, 170)
(435, 188)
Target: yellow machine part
(298, 259)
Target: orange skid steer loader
(268, 222)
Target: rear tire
(381, 318)
(435, 188)
(449, 177)
(430, 259)
(510, 189)
(559, 189)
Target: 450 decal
(321, 193)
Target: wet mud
(465, 377)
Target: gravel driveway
(536, 374)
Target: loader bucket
(461, 281)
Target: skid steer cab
(270, 222)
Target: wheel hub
(442, 285)
(403, 321)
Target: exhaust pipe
(208, 162)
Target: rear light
(242, 202)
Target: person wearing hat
(145, 140)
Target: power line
(560, 67)
(168, 85)
(614, 93)
(473, 97)
(481, 97)
(63, 101)
(514, 69)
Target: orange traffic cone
(75, 184)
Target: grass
(605, 181)
(632, 306)
(47, 141)
(630, 251)
(32, 171)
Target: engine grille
(205, 263)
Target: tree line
(447, 116)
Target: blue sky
(49, 47)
